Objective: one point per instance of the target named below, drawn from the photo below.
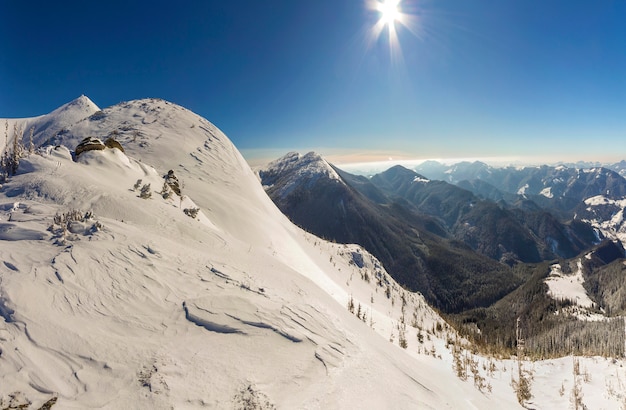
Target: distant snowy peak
(309, 164)
(295, 169)
(75, 110)
(548, 181)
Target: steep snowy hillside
(115, 292)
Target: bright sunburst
(391, 12)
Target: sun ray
(390, 16)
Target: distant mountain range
(594, 195)
(478, 247)
(445, 241)
(470, 170)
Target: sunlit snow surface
(137, 305)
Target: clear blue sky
(480, 78)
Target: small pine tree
(351, 305)
(522, 385)
(145, 193)
(18, 149)
(10, 159)
(459, 366)
(166, 191)
(576, 397)
(402, 333)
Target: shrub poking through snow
(71, 224)
(166, 191)
(15, 400)
(145, 192)
(191, 212)
(172, 181)
(10, 159)
(249, 398)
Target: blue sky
(491, 78)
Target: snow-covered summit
(46, 127)
(296, 169)
(75, 110)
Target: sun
(389, 12)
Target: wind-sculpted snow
(211, 321)
(6, 312)
(12, 232)
(101, 306)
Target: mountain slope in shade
(110, 300)
(567, 306)
(413, 247)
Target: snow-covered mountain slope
(114, 293)
(606, 214)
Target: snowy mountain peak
(81, 104)
(47, 127)
(295, 169)
(308, 164)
